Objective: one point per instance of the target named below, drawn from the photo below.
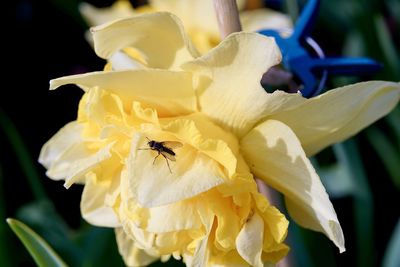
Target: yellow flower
(198, 17)
(206, 207)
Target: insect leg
(167, 163)
(159, 153)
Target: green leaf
(393, 120)
(99, 247)
(41, 252)
(310, 248)
(337, 180)
(347, 153)
(392, 255)
(387, 45)
(23, 156)
(298, 242)
(393, 6)
(44, 219)
(387, 152)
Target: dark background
(44, 39)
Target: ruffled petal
(159, 37)
(340, 113)
(207, 138)
(275, 155)
(153, 184)
(67, 157)
(132, 255)
(202, 253)
(249, 241)
(78, 167)
(177, 216)
(93, 207)
(227, 221)
(229, 88)
(170, 93)
(275, 222)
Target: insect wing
(172, 144)
(168, 156)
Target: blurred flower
(198, 17)
(207, 208)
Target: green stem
(28, 168)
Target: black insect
(164, 148)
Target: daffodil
(202, 204)
(198, 17)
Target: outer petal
(170, 93)
(160, 38)
(229, 88)
(249, 241)
(340, 113)
(93, 206)
(259, 19)
(154, 185)
(132, 255)
(96, 16)
(275, 155)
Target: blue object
(309, 69)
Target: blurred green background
(45, 39)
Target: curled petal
(275, 155)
